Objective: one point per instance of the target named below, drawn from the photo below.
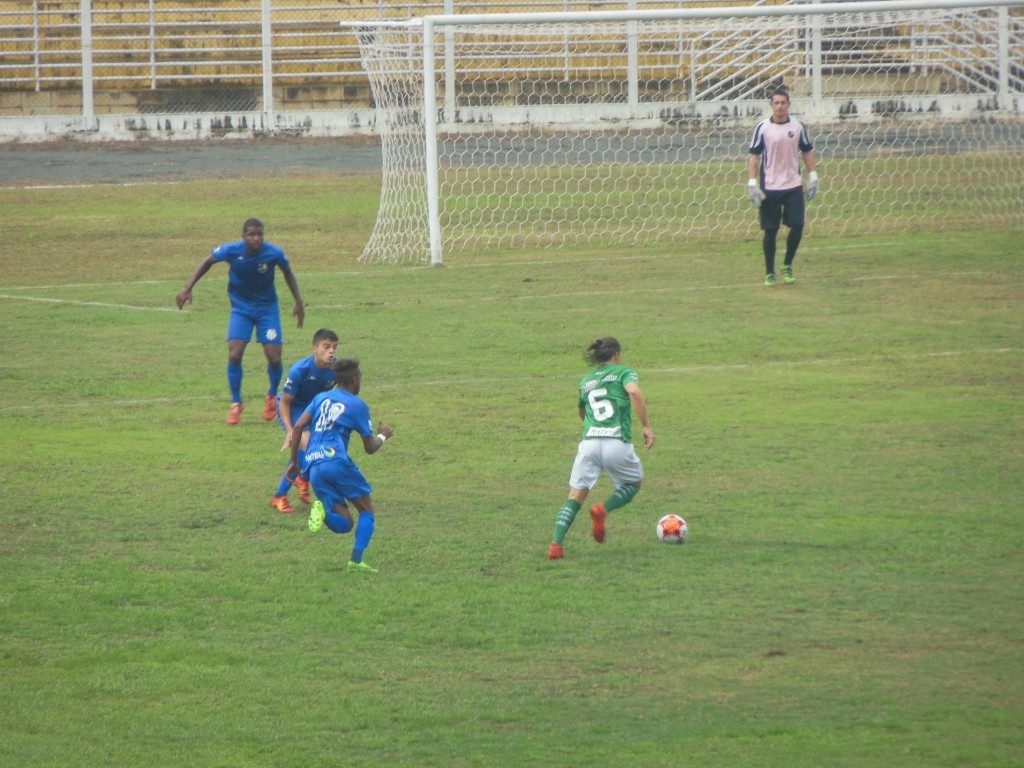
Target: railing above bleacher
(86, 59)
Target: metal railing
(92, 59)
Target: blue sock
(274, 377)
(337, 523)
(364, 532)
(283, 486)
(235, 381)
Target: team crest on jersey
(790, 134)
(263, 267)
(271, 334)
(610, 377)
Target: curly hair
(602, 350)
(346, 370)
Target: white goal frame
(435, 34)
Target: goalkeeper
(775, 186)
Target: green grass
(848, 452)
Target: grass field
(848, 452)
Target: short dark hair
(324, 335)
(345, 371)
(603, 350)
(250, 223)
(780, 90)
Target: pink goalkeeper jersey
(780, 145)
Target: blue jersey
(251, 276)
(305, 381)
(335, 415)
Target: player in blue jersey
(251, 264)
(331, 419)
(307, 378)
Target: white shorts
(615, 457)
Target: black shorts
(785, 207)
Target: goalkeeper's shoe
(354, 567)
(302, 486)
(317, 513)
(270, 408)
(787, 275)
(281, 504)
(597, 518)
(769, 279)
(235, 414)
(556, 551)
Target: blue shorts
(336, 482)
(266, 321)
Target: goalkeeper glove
(812, 184)
(754, 192)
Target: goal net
(604, 129)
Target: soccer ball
(672, 529)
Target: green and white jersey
(607, 411)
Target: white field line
(469, 299)
(717, 367)
(105, 402)
(650, 256)
(545, 262)
(670, 371)
(683, 289)
(85, 303)
(916, 276)
(563, 295)
(90, 185)
(59, 286)
(835, 360)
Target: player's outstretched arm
(185, 297)
(299, 311)
(373, 443)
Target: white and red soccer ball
(672, 529)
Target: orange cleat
(270, 408)
(235, 414)
(281, 504)
(556, 551)
(302, 485)
(597, 518)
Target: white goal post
(609, 128)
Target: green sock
(621, 497)
(565, 517)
